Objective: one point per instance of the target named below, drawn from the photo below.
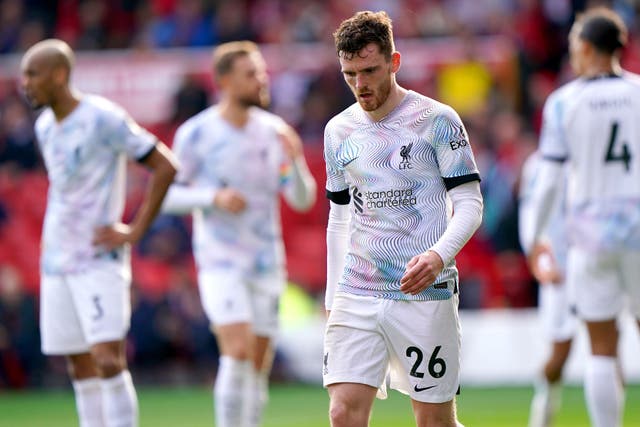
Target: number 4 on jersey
(615, 154)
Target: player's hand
(113, 236)
(421, 272)
(230, 200)
(291, 142)
(543, 264)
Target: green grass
(299, 405)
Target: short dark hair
(363, 28)
(603, 28)
(225, 55)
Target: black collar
(611, 75)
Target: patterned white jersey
(395, 174)
(594, 125)
(555, 233)
(214, 154)
(85, 155)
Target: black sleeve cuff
(453, 182)
(555, 159)
(146, 155)
(339, 197)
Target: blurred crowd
(501, 111)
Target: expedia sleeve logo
(458, 144)
(382, 199)
(459, 140)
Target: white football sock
(229, 392)
(545, 402)
(88, 402)
(259, 392)
(119, 401)
(604, 392)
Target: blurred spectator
(231, 19)
(189, 100)
(17, 140)
(466, 84)
(188, 24)
(21, 363)
(11, 19)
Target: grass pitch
(302, 405)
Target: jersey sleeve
(129, 137)
(453, 150)
(336, 185)
(187, 155)
(552, 142)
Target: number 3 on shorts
(436, 367)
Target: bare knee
(239, 352)
(109, 359)
(81, 366)
(604, 338)
(341, 414)
(350, 404)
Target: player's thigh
(102, 298)
(425, 342)
(265, 290)
(224, 295)
(354, 349)
(60, 329)
(630, 261)
(595, 284)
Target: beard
(261, 100)
(379, 97)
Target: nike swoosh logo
(419, 389)
(345, 164)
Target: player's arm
(540, 258)
(550, 174)
(337, 192)
(163, 167)
(188, 193)
(183, 198)
(423, 269)
(300, 192)
(543, 197)
(337, 245)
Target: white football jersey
(555, 233)
(85, 155)
(395, 174)
(594, 125)
(214, 154)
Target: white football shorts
(602, 283)
(78, 310)
(416, 342)
(230, 296)
(559, 322)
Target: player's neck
(65, 104)
(396, 95)
(234, 113)
(602, 67)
